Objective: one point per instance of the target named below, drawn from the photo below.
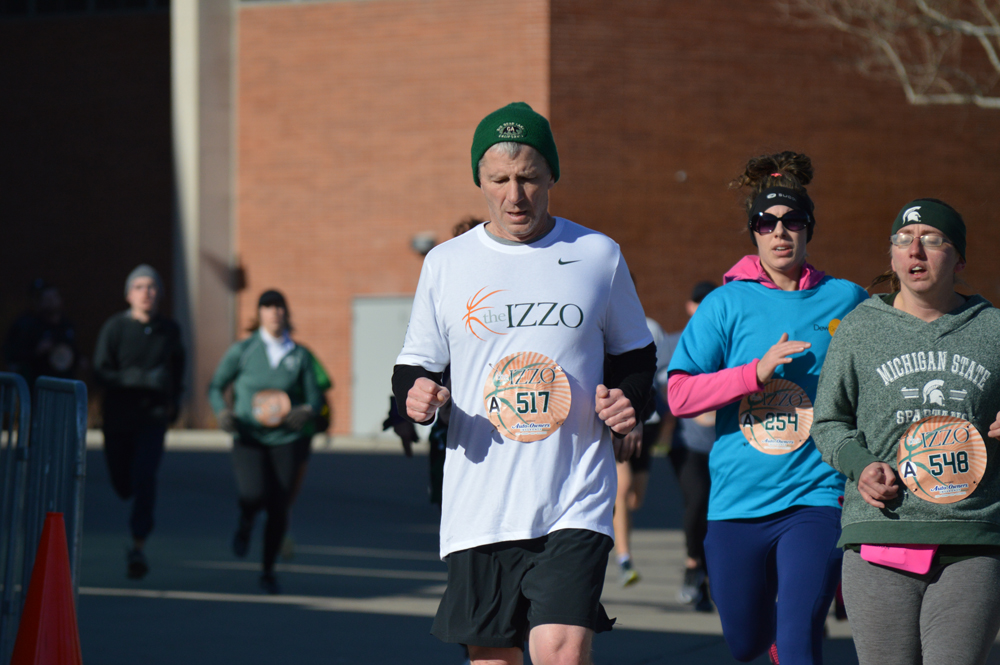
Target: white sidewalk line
(411, 605)
(217, 440)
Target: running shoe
(629, 575)
(269, 584)
(138, 567)
(691, 593)
(772, 654)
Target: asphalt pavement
(365, 578)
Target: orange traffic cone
(48, 633)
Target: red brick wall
(86, 174)
(354, 123)
(354, 126)
(642, 90)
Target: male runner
(524, 307)
(139, 360)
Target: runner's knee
(553, 644)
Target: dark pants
(692, 475)
(265, 478)
(133, 457)
(791, 556)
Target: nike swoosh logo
(566, 263)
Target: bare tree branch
(939, 51)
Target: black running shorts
(496, 593)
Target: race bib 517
(527, 396)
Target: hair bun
(783, 169)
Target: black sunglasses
(765, 222)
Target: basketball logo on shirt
(479, 316)
(490, 318)
(776, 420)
(941, 459)
(527, 396)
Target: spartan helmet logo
(510, 130)
(932, 392)
(912, 215)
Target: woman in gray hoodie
(907, 408)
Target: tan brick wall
(642, 90)
(354, 125)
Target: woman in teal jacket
(274, 399)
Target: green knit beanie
(516, 123)
(936, 214)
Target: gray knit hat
(143, 270)
(516, 123)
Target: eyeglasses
(930, 241)
(765, 223)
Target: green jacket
(886, 370)
(246, 368)
(321, 423)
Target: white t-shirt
(568, 297)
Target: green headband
(516, 123)
(936, 214)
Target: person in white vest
(524, 308)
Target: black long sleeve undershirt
(632, 372)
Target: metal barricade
(43, 466)
(15, 424)
(57, 464)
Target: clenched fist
(424, 399)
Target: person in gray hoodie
(908, 408)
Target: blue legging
(792, 556)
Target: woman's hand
(778, 355)
(877, 483)
(994, 432)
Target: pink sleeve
(690, 395)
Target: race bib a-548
(527, 396)
(941, 459)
